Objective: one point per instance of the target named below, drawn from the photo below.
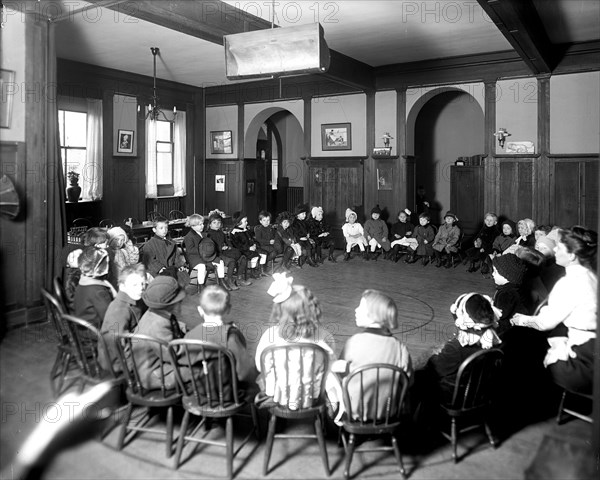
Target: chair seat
(190, 404)
(364, 429)
(304, 413)
(154, 398)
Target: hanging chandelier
(153, 110)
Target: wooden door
(223, 185)
(466, 197)
(336, 184)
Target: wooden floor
(423, 296)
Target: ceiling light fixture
(153, 110)
(501, 135)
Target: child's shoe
(412, 258)
(366, 255)
(347, 256)
(425, 260)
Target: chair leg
(269, 444)
(350, 445)
(454, 440)
(321, 439)
(169, 441)
(398, 455)
(123, 432)
(229, 446)
(256, 421)
(559, 416)
(181, 439)
(489, 434)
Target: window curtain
(179, 138)
(91, 186)
(151, 188)
(56, 229)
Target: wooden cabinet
(466, 197)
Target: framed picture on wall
(7, 77)
(384, 178)
(125, 141)
(221, 141)
(336, 136)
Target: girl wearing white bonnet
(353, 233)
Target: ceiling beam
(210, 21)
(521, 25)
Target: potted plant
(73, 190)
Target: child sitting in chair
(401, 234)
(354, 234)
(214, 305)
(376, 233)
(446, 240)
(424, 235)
(161, 254)
(287, 242)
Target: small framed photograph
(221, 141)
(7, 78)
(384, 178)
(250, 187)
(336, 136)
(219, 183)
(125, 141)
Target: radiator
(295, 195)
(163, 205)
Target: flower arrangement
(216, 211)
(73, 177)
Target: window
(73, 141)
(164, 158)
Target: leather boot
(346, 256)
(331, 258)
(229, 285)
(425, 260)
(243, 280)
(366, 256)
(311, 262)
(412, 258)
(301, 260)
(262, 271)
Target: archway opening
(449, 125)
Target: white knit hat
(316, 210)
(349, 212)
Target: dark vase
(73, 193)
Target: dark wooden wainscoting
(574, 190)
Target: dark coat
(224, 246)
(192, 241)
(159, 253)
(242, 240)
(91, 301)
(509, 299)
(487, 236)
(264, 235)
(422, 233)
(122, 316)
(162, 325)
(401, 230)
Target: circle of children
(553, 346)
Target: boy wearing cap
(94, 293)
(508, 271)
(376, 233)
(354, 234)
(301, 232)
(161, 296)
(446, 240)
(320, 233)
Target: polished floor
(423, 295)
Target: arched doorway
(445, 124)
(276, 136)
